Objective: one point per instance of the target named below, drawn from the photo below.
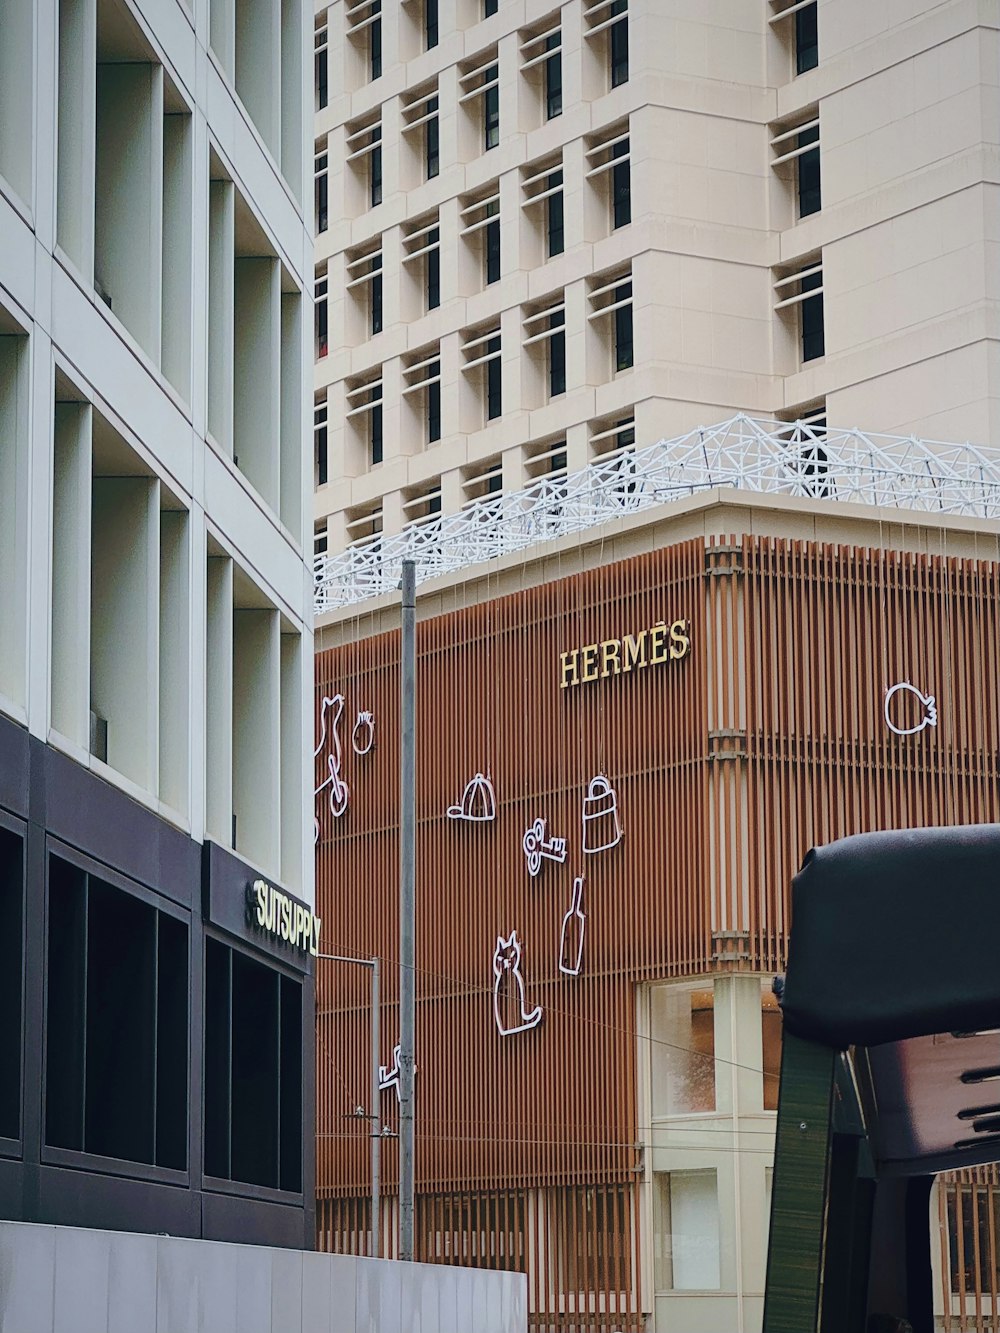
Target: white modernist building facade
(156, 657)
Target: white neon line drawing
(389, 1077)
(363, 735)
(601, 829)
(508, 989)
(927, 701)
(535, 846)
(339, 793)
(479, 802)
(574, 924)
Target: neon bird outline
(927, 701)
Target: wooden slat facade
(768, 738)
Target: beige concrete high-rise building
(547, 232)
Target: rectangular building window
(320, 444)
(491, 242)
(800, 298)
(557, 354)
(618, 44)
(375, 425)
(116, 1022)
(491, 109)
(806, 39)
(494, 403)
(621, 185)
(434, 269)
(375, 168)
(364, 414)
(686, 1248)
(432, 142)
(545, 340)
(553, 76)
(770, 1031)
(810, 198)
(322, 189)
(623, 326)
(363, 269)
(434, 406)
(11, 980)
(253, 1071)
(430, 23)
(555, 229)
(322, 315)
(321, 67)
(490, 8)
(682, 1052)
(321, 540)
(375, 42)
(422, 387)
(375, 289)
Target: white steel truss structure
(744, 453)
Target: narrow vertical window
(375, 167)
(375, 425)
(430, 23)
(321, 68)
(623, 327)
(434, 270)
(553, 77)
(556, 229)
(810, 199)
(493, 380)
(618, 44)
(320, 443)
(432, 142)
(491, 108)
(322, 191)
(434, 404)
(621, 185)
(322, 317)
(375, 288)
(492, 242)
(557, 354)
(375, 41)
(806, 39)
(813, 338)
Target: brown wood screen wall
(728, 765)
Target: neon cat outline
(529, 1019)
(339, 791)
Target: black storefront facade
(156, 1052)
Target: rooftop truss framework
(747, 454)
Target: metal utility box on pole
(407, 978)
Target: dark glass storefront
(156, 1054)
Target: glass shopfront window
(683, 1049)
(686, 1231)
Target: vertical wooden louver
(769, 737)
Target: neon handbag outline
(602, 829)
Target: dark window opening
(322, 319)
(11, 981)
(434, 271)
(621, 186)
(492, 246)
(375, 426)
(375, 44)
(430, 23)
(618, 43)
(556, 219)
(320, 445)
(376, 296)
(553, 77)
(375, 169)
(434, 406)
(253, 1071)
(810, 200)
(432, 141)
(623, 328)
(806, 39)
(813, 340)
(490, 7)
(557, 355)
(322, 193)
(494, 483)
(491, 109)
(493, 378)
(322, 67)
(116, 1023)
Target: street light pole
(407, 959)
(375, 1239)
